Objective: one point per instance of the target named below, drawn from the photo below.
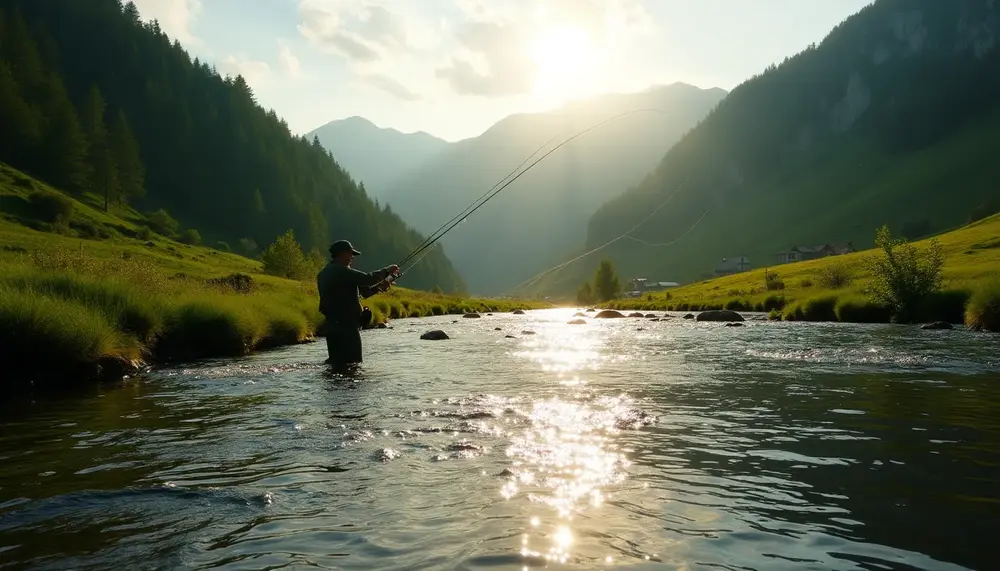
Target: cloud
(358, 31)
(493, 61)
(176, 17)
(289, 63)
(391, 86)
(254, 71)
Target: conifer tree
(64, 142)
(103, 171)
(127, 157)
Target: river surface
(620, 443)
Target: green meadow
(837, 288)
(89, 294)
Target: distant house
(733, 265)
(638, 286)
(800, 253)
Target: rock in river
(436, 335)
(472, 315)
(719, 315)
(938, 325)
(609, 313)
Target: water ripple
(682, 446)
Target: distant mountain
(374, 155)
(544, 212)
(894, 118)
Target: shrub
(144, 233)
(191, 236)
(861, 309)
(836, 276)
(983, 310)
(806, 283)
(162, 223)
(946, 305)
(773, 301)
(819, 308)
(51, 207)
(902, 275)
(284, 258)
(222, 246)
(772, 282)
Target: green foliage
(606, 284)
(191, 236)
(585, 294)
(836, 276)
(51, 207)
(175, 135)
(144, 233)
(983, 310)
(772, 282)
(284, 258)
(162, 223)
(903, 276)
(222, 246)
(860, 309)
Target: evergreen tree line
(93, 99)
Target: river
(623, 443)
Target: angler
(341, 288)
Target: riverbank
(105, 306)
(836, 288)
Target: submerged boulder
(518, 312)
(472, 315)
(636, 314)
(689, 316)
(609, 314)
(719, 315)
(938, 325)
(436, 335)
(577, 322)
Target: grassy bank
(95, 295)
(836, 288)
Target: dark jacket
(340, 289)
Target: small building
(636, 287)
(732, 265)
(801, 253)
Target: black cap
(343, 246)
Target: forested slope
(93, 99)
(893, 118)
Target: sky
(452, 68)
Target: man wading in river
(341, 288)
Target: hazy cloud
(356, 30)
(289, 63)
(391, 86)
(176, 17)
(503, 66)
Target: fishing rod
(489, 195)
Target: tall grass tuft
(46, 336)
(861, 309)
(983, 310)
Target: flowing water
(624, 443)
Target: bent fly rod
(432, 239)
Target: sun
(562, 55)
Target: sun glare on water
(563, 55)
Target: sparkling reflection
(566, 457)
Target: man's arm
(366, 279)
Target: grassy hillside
(87, 294)
(113, 106)
(971, 263)
(892, 118)
(544, 212)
